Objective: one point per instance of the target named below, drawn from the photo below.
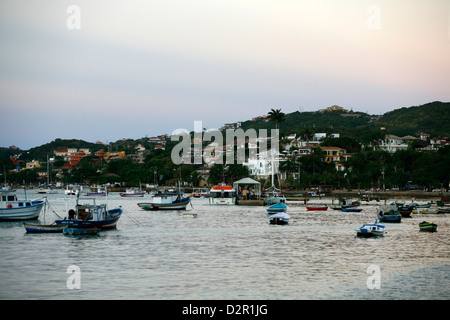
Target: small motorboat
(279, 218)
(277, 207)
(371, 230)
(427, 226)
(316, 208)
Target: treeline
(372, 169)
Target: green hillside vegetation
(432, 118)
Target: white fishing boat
(222, 194)
(133, 192)
(171, 200)
(97, 191)
(11, 208)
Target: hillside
(432, 118)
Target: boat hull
(22, 213)
(164, 206)
(317, 208)
(110, 223)
(72, 231)
(39, 228)
(428, 227)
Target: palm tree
(277, 116)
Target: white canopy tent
(249, 182)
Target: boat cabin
(88, 212)
(8, 199)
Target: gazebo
(249, 182)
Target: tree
(277, 116)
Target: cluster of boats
(84, 218)
(90, 218)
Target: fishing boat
(317, 208)
(427, 226)
(200, 193)
(132, 193)
(11, 208)
(371, 230)
(222, 194)
(91, 215)
(429, 211)
(171, 200)
(71, 191)
(351, 209)
(344, 203)
(93, 192)
(279, 218)
(43, 228)
(388, 213)
(405, 210)
(277, 207)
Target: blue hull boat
(277, 207)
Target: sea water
(226, 253)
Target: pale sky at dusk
(148, 67)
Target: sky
(106, 70)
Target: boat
(98, 191)
(371, 230)
(200, 193)
(72, 231)
(405, 210)
(351, 209)
(316, 208)
(11, 208)
(388, 213)
(277, 207)
(273, 195)
(344, 203)
(132, 193)
(442, 210)
(279, 218)
(429, 211)
(171, 200)
(43, 228)
(427, 226)
(93, 215)
(47, 190)
(222, 194)
(71, 191)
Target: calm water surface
(226, 252)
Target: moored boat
(171, 200)
(98, 191)
(277, 207)
(279, 218)
(371, 230)
(11, 208)
(43, 228)
(93, 215)
(351, 209)
(388, 213)
(317, 208)
(132, 193)
(222, 194)
(427, 226)
(73, 231)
